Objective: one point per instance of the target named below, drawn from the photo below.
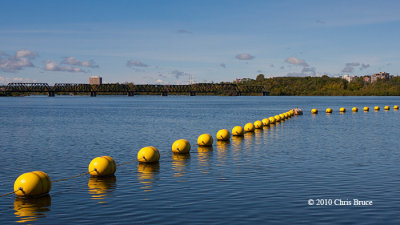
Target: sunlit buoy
(272, 120)
(258, 124)
(314, 111)
(32, 184)
(396, 107)
(366, 109)
(354, 109)
(342, 110)
(102, 166)
(277, 118)
(377, 108)
(181, 146)
(265, 122)
(223, 135)
(249, 127)
(281, 116)
(205, 140)
(329, 110)
(286, 115)
(148, 154)
(237, 131)
(387, 107)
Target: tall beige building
(97, 80)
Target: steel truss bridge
(131, 89)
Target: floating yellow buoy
(102, 166)
(366, 109)
(354, 109)
(249, 127)
(387, 107)
(314, 111)
(272, 120)
(277, 118)
(258, 124)
(329, 110)
(396, 107)
(148, 154)
(342, 110)
(237, 131)
(205, 140)
(265, 122)
(377, 108)
(223, 135)
(181, 146)
(281, 116)
(32, 184)
(286, 115)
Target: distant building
(380, 75)
(240, 80)
(97, 80)
(349, 78)
(367, 79)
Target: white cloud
(25, 53)
(53, 66)
(244, 56)
(75, 62)
(16, 62)
(132, 62)
(349, 67)
(6, 80)
(296, 61)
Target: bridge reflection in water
(132, 89)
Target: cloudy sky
(170, 41)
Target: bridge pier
(164, 93)
(265, 93)
(130, 93)
(192, 93)
(51, 94)
(92, 94)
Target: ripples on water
(264, 177)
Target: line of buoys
(386, 107)
(354, 109)
(342, 110)
(366, 109)
(396, 107)
(314, 111)
(329, 110)
(377, 108)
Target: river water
(266, 177)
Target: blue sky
(168, 42)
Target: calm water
(266, 177)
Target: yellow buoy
(354, 109)
(377, 108)
(237, 131)
(205, 140)
(342, 110)
(223, 135)
(181, 146)
(329, 110)
(265, 122)
(271, 120)
(366, 109)
(277, 118)
(249, 127)
(314, 111)
(387, 107)
(281, 116)
(32, 184)
(102, 166)
(396, 107)
(258, 124)
(148, 154)
(286, 115)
